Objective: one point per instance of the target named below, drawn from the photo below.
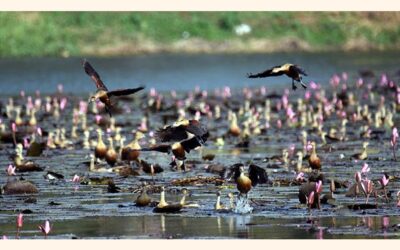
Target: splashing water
(242, 205)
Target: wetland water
(89, 210)
(182, 72)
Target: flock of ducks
(248, 118)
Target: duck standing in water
(100, 150)
(291, 70)
(102, 92)
(164, 207)
(111, 154)
(132, 151)
(24, 166)
(143, 199)
(314, 160)
(257, 175)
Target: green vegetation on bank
(116, 33)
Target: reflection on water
(238, 226)
(181, 71)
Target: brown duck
(314, 161)
(100, 150)
(291, 70)
(102, 92)
(132, 151)
(243, 183)
(111, 154)
(143, 199)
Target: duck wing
(163, 148)
(94, 75)
(196, 128)
(190, 144)
(274, 71)
(171, 133)
(120, 92)
(257, 175)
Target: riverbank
(121, 33)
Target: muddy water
(90, 211)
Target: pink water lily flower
(10, 170)
(20, 221)
(39, 131)
(98, 119)
(385, 222)
(311, 198)
(367, 186)
(309, 146)
(14, 127)
(279, 123)
(76, 179)
(357, 176)
(63, 103)
(384, 181)
(318, 187)
(46, 228)
(300, 176)
(365, 169)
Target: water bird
(257, 175)
(234, 129)
(125, 171)
(208, 157)
(147, 167)
(36, 148)
(96, 168)
(363, 155)
(102, 93)
(131, 152)
(291, 70)
(100, 150)
(143, 199)
(182, 130)
(314, 161)
(178, 149)
(111, 154)
(24, 166)
(183, 200)
(164, 207)
(50, 175)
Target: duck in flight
(291, 70)
(102, 92)
(182, 130)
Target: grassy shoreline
(121, 33)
